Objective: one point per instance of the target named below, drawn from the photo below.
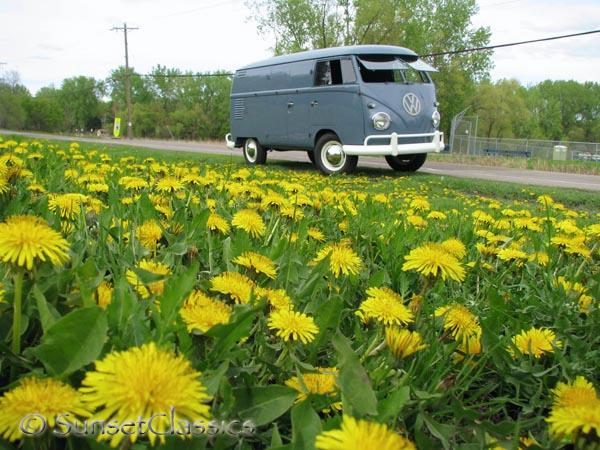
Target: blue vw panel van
(337, 104)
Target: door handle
(290, 104)
(314, 103)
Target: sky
(46, 41)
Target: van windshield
(391, 69)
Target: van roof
(336, 51)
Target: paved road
(531, 177)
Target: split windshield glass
(392, 69)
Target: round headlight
(435, 118)
(381, 121)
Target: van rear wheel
(330, 157)
(254, 153)
(406, 163)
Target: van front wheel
(330, 157)
(406, 163)
(254, 153)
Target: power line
(127, 78)
(511, 44)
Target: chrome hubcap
(333, 156)
(251, 150)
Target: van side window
(336, 71)
(348, 74)
(323, 74)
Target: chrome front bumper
(393, 148)
(230, 142)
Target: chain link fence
(526, 148)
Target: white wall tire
(254, 153)
(330, 157)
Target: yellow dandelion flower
(420, 204)
(44, 396)
(104, 293)
(33, 187)
(149, 233)
(98, 187)
(455, 247)
(512, 254)
(403, 342)
(67, 205)
(316, 234)
(416, 221)
(277, 298)
(258, 263)
(217, 223)
(593, 230)
(357, 434)
(141, 382)
(471, 345)
(545, 200)
(292, 325)
(535, 342)
(201, 313)
(25, 240)
(385, 306)
(154, 287)
(249, 221)
(575, 421)
(322, 382)
(342, 259)
(4, 184)
(134, 183)
(433, 259)
(169, 185)
(585, 304)
(437, 215)
(234, 284)
(578, 393)
(459, 321)
(541, 258)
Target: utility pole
(124, 28)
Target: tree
(44, 111)
(502, 109)
(13, 98)
(80, 100)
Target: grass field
(353, 312)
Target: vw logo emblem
(412, 104)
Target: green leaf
(440, 431)
(228, 335)
(263, 404)
(275, 437)
(212, 380)
(306, 424)
(176, 289)
(73, 341)
(353, 379)
(147, 277)
(393, 404)
(48, 315)
(88, 277)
